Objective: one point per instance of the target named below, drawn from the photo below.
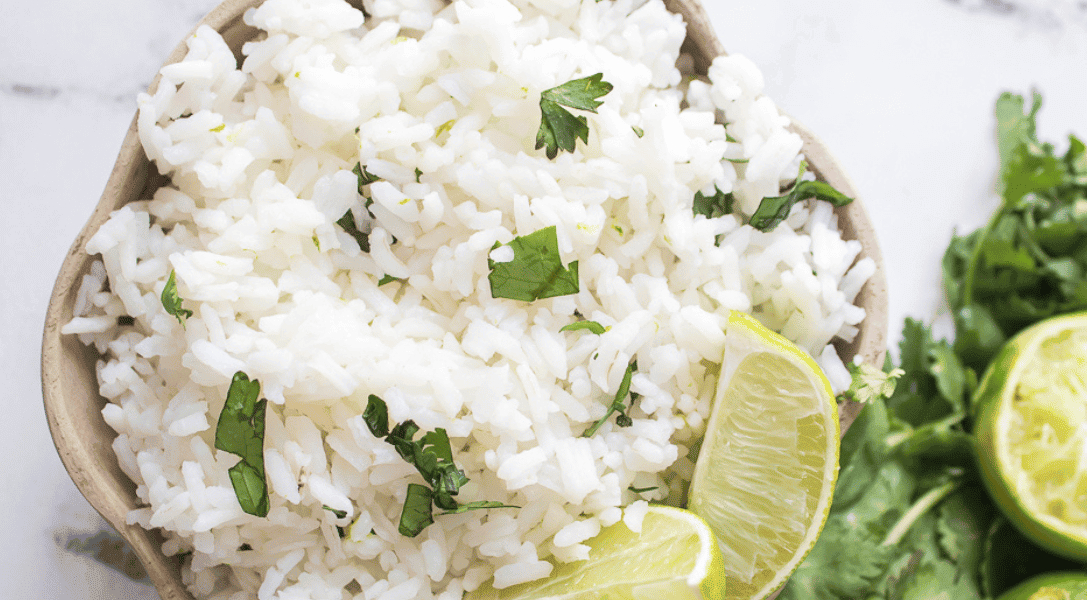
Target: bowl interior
(69, 383)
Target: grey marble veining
(901, 92)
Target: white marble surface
(902, 92)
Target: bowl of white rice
(340, 202)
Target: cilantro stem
(617, 404)
(975, 258)
(925, 502)
(895, 439)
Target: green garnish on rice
(559, 129)
(240, 431)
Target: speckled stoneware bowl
(72, 402)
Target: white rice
(260, 157)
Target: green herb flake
(618, 404)
(365, 177)
(536, 270)
(347, 223)
(387, 279)
(592, 326)
(643, 490)
(339, 514)
(240, 431)
(221, 127)
(418, 175)
(418, 511)
(317, 242)
(711, 207)
(773, 211)
(172, 302)
(638, 131)
(559, 129)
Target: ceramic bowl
(73, 404)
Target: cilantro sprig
(536, 270)
(171, 301)
(432, 456)
(1027, 262)
(559, 128)
(240, 431)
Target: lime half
(1031, 433)
(766, 471)
(675, 557)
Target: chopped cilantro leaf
(339, 514)
(365, 177)
(387, 279)
(592, 326)
(418, 174)
(172, 302)
(418, 512)
(772, 211)
(536, 270)
(714, 206)
(240, 431)
(638, 131)
(559, 129)
(347, 223)
(376, 416)
(432, 456)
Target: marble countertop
(901, 92)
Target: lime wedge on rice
(1031, 433)
(766, 471)
(675, 557)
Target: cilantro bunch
(911, 518)
(1028, 262)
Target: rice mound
(442, 103)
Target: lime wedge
(1031, 433)
(766, 471)
(674, 557)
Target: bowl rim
(82, 457)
